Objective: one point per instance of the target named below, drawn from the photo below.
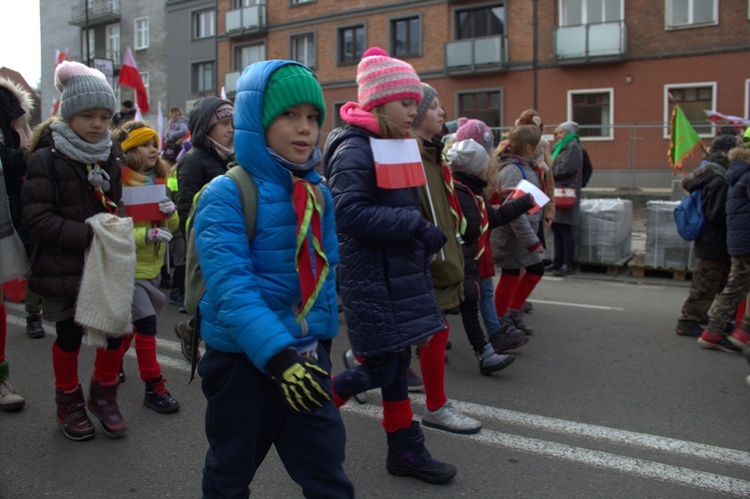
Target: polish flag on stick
(130, 77)
(61, 56)
(398, 163)
(142, 202)
(223, 93)
(160, 127)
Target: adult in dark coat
(738, 245)
(712, 267)
(211, 135)
(567, 166)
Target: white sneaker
(10, 400)
(350, 360)
(449, 419)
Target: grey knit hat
(428, 95)
(468, 156)
(569, 126)
(82, 88)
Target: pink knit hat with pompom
(382, 79)
(477, 130)
(82, 88)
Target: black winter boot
(407, 456)
(34, 327)
(158, 397)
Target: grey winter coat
(566, 171)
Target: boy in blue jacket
(269, 311)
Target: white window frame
(140, 33)
(610, 125)
(585, 11)
(667, 117)
(236, 63)
(670, 25)
(300, 2)
(747, 99)
(201, 22)
(113, 43)
(293, 47)
(91, 33)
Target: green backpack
(195, 286)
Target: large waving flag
(130, 77)
(683, 139)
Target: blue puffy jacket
(738, 202)
(252, 291)
(385, 282)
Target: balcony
(230, 82)
(590, 43)
(246, 20)
(99, 12)
(477, 55)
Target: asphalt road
(604, 401)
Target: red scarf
(308, 211)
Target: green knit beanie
(289, 86)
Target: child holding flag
(145, 168)
(386, 246)
(57, 205)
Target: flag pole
(432, 206)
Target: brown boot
(71, 414)
(103, 405)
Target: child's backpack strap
(520, 170)
(195, 286)
(48, 163)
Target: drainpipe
(536, 49)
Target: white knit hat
(468, 156)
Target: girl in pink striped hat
(385, 246)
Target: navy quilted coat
(738, 203)
(384, 275)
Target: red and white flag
(61, 56)
(142, 202)
(160, 127)
(130, 77)
(223, 93)
(718, 117)
(398, 163)
(55, 107)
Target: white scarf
(105, 297)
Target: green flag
(683, 141)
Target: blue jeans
(487, 305)
(246, 414)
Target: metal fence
(636, 156)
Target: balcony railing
(230, 82)
(586, 43)
(246, 20)
(99, 12)
(477, 55)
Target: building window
(141, 33)
(351, 42)
(592, 110)
(577, 12)
(202, 77)
(248, 54)
(688, 13)
(693, 98)
(303, 49)
(475, 23)
(204, 24)
(483, 105)
(113, 43)
(301, 2)
(338, 121)
(238, 4)
(406, 37)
